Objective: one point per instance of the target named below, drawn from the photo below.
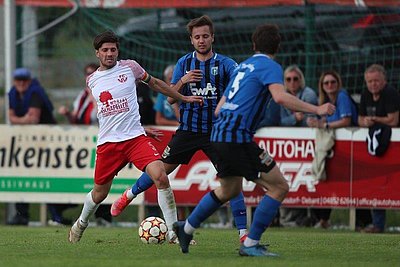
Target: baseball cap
(21, 74)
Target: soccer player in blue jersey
(204, 73)
(257, 79)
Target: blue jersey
(247, 96)
(217, 72)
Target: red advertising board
(354, 178)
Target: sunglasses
(289, 79)
(329, 82)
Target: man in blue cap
(29, 104)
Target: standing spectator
(122, 138)
(85, 113)
(331, 91)
(29, 104)
(379, 105)
(166, 114)
(204, 73)
(239, 112)
(295, 84)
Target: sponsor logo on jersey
(209, 92)
(112, 106)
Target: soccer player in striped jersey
(256, 80)
(205, 73)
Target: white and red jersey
(117, 107)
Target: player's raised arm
(291, 102)
(160, 86)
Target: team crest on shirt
(214, 71)
(122, 78)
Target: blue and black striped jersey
(217, 72)
(247, 96)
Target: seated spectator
(379, 105)
(331, 90)
(166, 114)
(295, 85)
(29, 104)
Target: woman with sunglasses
(295, 85)
(330, 90)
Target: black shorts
(246, 160)
(184, 144)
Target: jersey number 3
(235, 85)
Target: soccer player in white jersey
(121, 137)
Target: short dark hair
(105, 37)
(198, 22)
(266, 39)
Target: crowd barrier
(43, 164)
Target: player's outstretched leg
(265, 213)
(184, 230)
(184, 238)
(239, 215)
(89, 207)
(142, 184)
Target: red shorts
(112, 157)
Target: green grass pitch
(117, 247)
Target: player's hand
(193, 99)
(326, 109)
(154, 133)
(192, 76)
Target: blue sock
(265, 213)
(142, 184)
(239, 211)
(207, 206)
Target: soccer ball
(153, 230)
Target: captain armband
(146, 78)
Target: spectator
(29, 104)
(295, 84)
(146, 111)
(85, 113)
(166, 114)
(379, 105)
(84, 107)
(331, 91)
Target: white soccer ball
(153, 230)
